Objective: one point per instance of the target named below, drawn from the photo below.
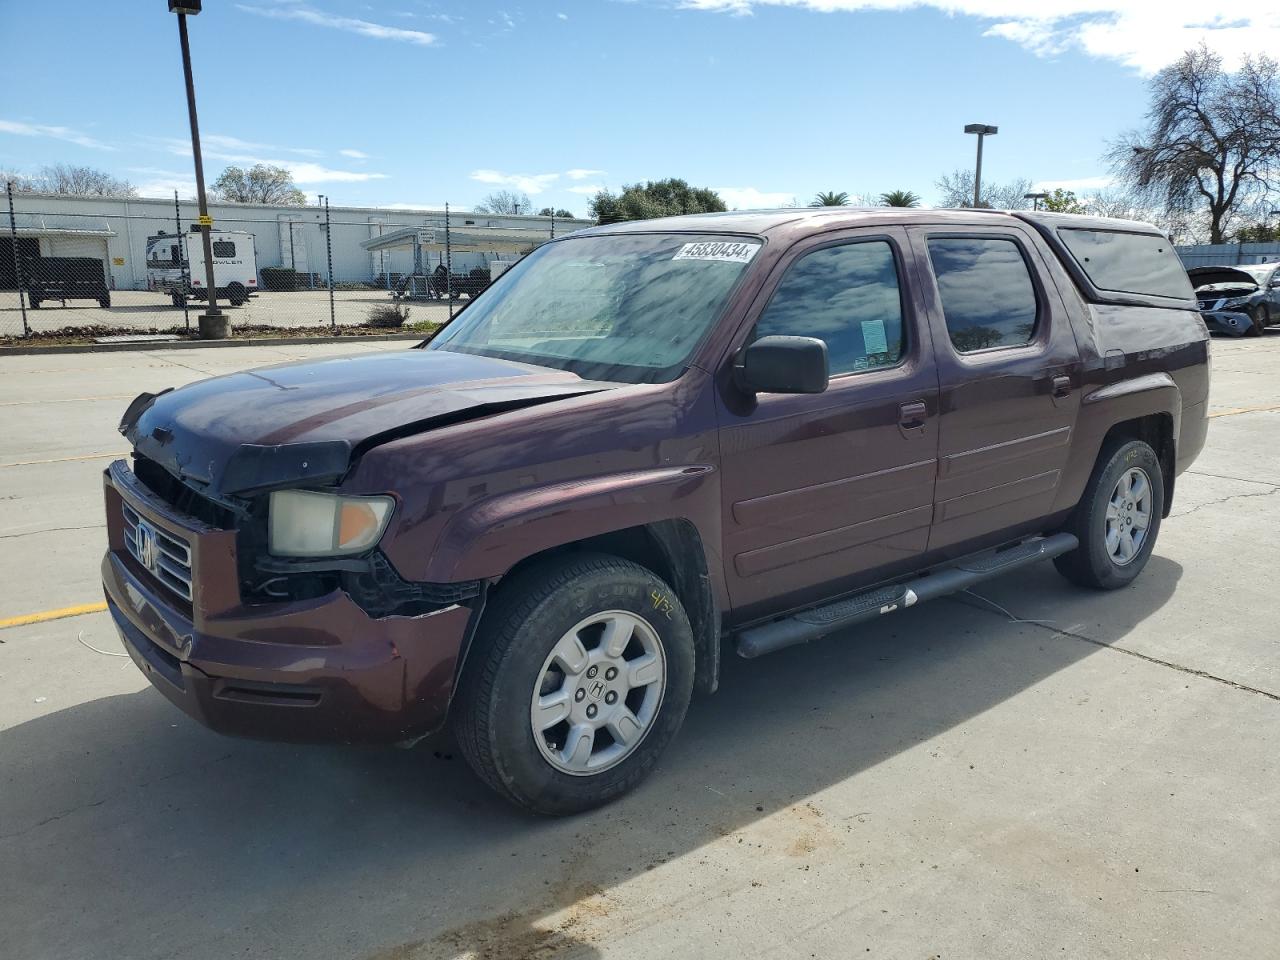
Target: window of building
(987, 295)
(848, 296)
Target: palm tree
(829, 198)
(899, 198)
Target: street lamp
(982, 130)
(1035, 199)
(214, 325)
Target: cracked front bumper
(319, 670)
(1227, 321)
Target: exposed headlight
(303, 523)
(1235, 302)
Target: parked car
(1238, 300)
(67, 278)
(643, 445)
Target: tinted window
(987, 295)
(1143, 263)
(224, 249)
(847, 296)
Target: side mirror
(783, 365)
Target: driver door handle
(913, 414)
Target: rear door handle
(1061, 387)
(911, 415)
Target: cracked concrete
(941, 783)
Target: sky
(412, 103)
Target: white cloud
(528, 183)
(57, 133)
(319, 18)
(562, 16)
(1142, 34)
(578, 173)
(222, 142)
(586, 189)
(354, 154)
(303, 171)
(749, 198)
(1077, 185)
(161, 183)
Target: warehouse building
(116, 230)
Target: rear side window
(224, 249)
(987, 295)
(1143, 263)
(847, 296)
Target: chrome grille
(164, 556)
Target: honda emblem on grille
(144, 542)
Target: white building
(116, 231)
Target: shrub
(389, 315)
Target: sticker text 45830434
(729, 251)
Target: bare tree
(72, 180)
(956, 189)
(506, 202)
(1212, 142)
(21, 182)
(261, 183)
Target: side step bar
(820, 621)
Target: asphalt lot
(1097, 780)
(144, 310)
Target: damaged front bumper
(320, 669)
(1229, 322)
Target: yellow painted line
(1238, 410)
(77, 611)
(83, 456)
(32, 403)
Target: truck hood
(307, 422)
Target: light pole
(982, 130)
(1035, 199)
(214, 325)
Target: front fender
(486, 539)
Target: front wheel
(1117, 519)
(1260, 320)
(580, 676)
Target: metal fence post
(553, 223)
(17, 262)
(328, 245)
(186, 285)
(448, 256)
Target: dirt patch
(90, 333)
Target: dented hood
(307, 422)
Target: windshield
(628, 307)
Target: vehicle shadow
(128, 830)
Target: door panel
(821, 492)
(1007, 413)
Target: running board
(820, 621)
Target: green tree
(830, 198)
(655, 198)
(1062, 201)
(1211, 146)
(559, 212)
(261, 183)
(899, 198)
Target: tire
(35, 304)
(1100, 562)
(514, 660)
(237, 294)
(104, 302)
(178, 299)
(1261, 320)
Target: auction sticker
(728, 251)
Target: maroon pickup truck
(643, 444)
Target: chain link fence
(111, 268)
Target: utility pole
(214, 324)
(983, 130)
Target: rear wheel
(581, 675)
(35, 304)
(1117, 519)
(237, 294)
(104, 302)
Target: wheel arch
(1156, 430)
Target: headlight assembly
(305, 523)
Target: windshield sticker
(726, 251)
